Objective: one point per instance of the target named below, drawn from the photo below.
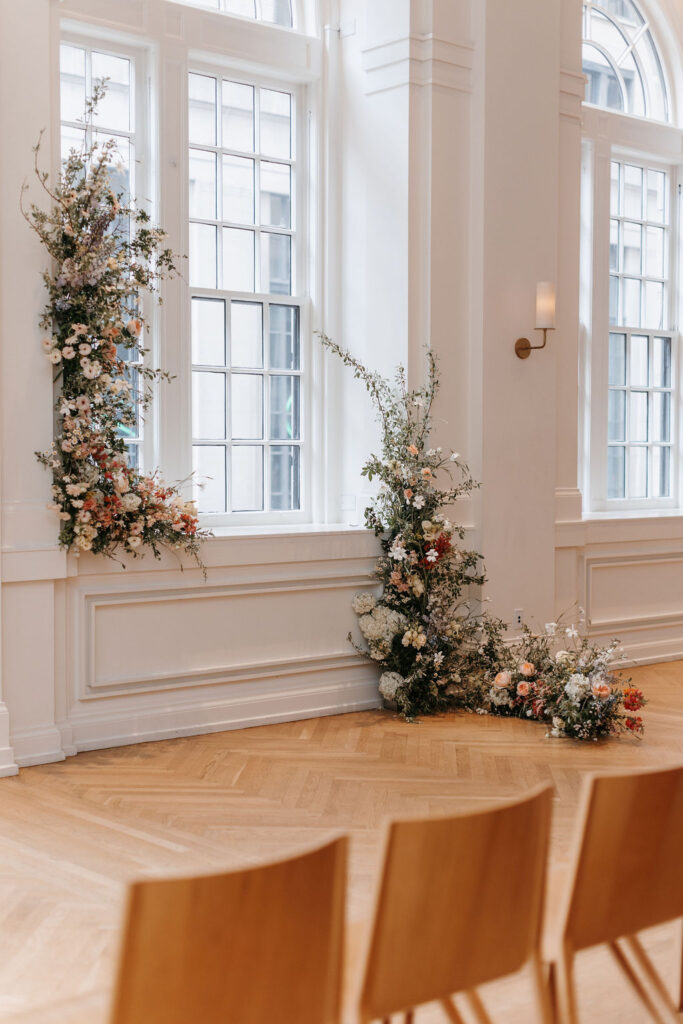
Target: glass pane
(615, 472)
(655, 252)
(602, 84)
(72, 138)
(238, 116)
(208, 406)
(202, 118)
(284, 408)
(238, 260)
(246, 340)
(661, 474)
(208, 482)
(247, 478)
(202, 184)
(630, 313)
(285, 476)
(615, 170)
(614, 300)
(633, 192)
(119, 162)
(661, 363)
(276, 195)
(637, 423)
(284, 337)
(661, 416)
(238, 189)
(203, 255)
(246, 400)
(617, 359)
(114, 109)
(133, 453)
(276, 264)
(614, 245)
(654, 305)
(277, 12)
(616, 417)
(208, 332)
(72, 82)
(638, 361)
(243, 8)
(637, 473)
(656, 196)
(276, 123)
(632, 260)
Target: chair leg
(564, 987)
(477, 1007)
(648, 969)
(638, 987)
(542, 990)
(451, 1011)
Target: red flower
(635, 724)
(634, 699)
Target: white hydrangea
(576, 687)
(501, 698)
(363, 603)
(379, 628)
(389, 684)
(130, 502)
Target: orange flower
(527, 668)
(601, 690)
(502, 680)
(523, 689)
(412, 449)
(408, 493)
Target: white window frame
(173, 37)
(298, 298)
(609, 135)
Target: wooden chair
(251, 947)
(627, 875)
(460, 904)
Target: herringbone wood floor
(72, 834)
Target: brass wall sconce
(545, 319)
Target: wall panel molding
(423, 60)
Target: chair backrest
(460, 903)
(628, 864)
(252, 946)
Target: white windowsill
(287, 530)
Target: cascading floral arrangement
(105, 257)
(436, 646)
(429, 636)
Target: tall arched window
(620, 60)
(630, 307)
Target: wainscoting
(100, 659)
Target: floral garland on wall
(105, 257)
(436, 646)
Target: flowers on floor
(435, 645)
(560, 678)
(106, 258)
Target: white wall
(451, 166)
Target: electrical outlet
(518, 618)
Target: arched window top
(273, 12)
(621, 61)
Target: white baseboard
(37, 746)
(102, 728)
(8, 764)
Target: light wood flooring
(72, 834)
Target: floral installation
(436, 647)
(560, 678)
(105, 257)
(429, 636)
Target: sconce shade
(545, 305)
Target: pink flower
(523, 689)
(502, 680)
(527, 669)
(408, 493)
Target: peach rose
(527, 669)
(408, 493)
(601, 690)
(412, 449)
(523, 689)
(502, 680)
